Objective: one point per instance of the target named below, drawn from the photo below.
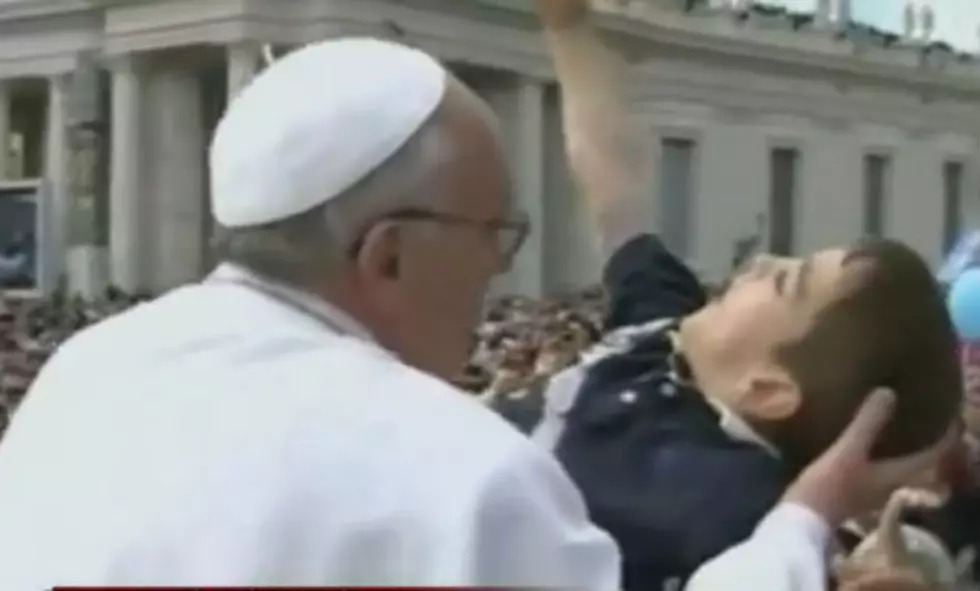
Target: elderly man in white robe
(286, 421)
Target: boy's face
(772, 302)
(773, 299)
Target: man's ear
(378, 256)
(770, 394)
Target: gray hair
(313, 244)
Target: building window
(952, 202)
(877, 174)
(677, 194)
(783, 170)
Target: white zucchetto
(316, 122)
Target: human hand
(895, 546)
(887, 580)
(845, 482)
(562, 14)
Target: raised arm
(611, 159)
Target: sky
(957, 21)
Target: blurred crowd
(30, 331)
(522, 339)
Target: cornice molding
(641, 30)
(643, 39)
(503, 34)
(26, 9)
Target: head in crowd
(361, 171)
(970, 364)
(794, 345)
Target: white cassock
(224, 436)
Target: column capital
(244, 61)
(244, 53)
(60, 82)
(530, 84)
(522, 82)
(244, 45)
(125, 63)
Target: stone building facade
(801, 130)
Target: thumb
(871, 418)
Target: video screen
(18, 239)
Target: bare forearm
(611, 157)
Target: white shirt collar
(328, 313)
(738, 428)
(730, 422)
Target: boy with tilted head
(686, 435)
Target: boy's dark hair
(889, 328)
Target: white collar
(329, 314)
(738, 428)
(730, 422)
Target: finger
(870, 420)
(925, 499)
(964, 561)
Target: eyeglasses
(509, 233)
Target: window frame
(877, 228)
(688, 248)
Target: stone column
(844, 14)
(528, 162)
(519, 103)
(822, 16)
(175, 168)
(87, 190)
(127, 230)
(244, 62)
(4, 129)
(56, 175)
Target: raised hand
(894, 546)
(608, 153)
(887, 580)
(562, 14)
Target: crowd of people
(521, 339)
